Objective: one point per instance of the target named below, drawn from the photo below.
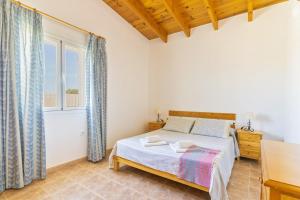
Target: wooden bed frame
(207, 115)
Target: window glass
(74, 83)
(51, 75)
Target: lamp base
(248, 128)
(158, 117)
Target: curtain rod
(53, 18)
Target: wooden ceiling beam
(138, 8)
(195, 13)
(250, 10)
(174, 11)
(212, 13)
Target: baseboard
(66, 164)
(73, 162)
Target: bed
(164, 162)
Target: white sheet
(163, 158)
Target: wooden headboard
(207, 115)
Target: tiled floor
(88, 181)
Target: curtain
(96, 75)
(22, 141)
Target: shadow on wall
(259, 124)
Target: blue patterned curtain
(96, 75)
(22, 144)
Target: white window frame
(61, 44)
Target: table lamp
(250, 116)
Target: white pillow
(212, 127)
(179, 124)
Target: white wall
(292, 114)
(239, 68)
(65, 136)
(127, 52)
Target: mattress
(163, 158)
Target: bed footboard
(118, 160)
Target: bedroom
(249, 68)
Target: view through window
(73, 78)
(51, 75)
(64, 75)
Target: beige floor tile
(194, 194)
(56, 185)
(2, 196)
(76, 192)
(94, 181)
(16, 193)
(32, 195)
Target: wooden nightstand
(249, 143)
(152, 126)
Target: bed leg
(238, 158)
(116, 165)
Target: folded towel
(176, 149)
(147, 144)
(184, 144)
(153, 139)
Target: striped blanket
(196, 165)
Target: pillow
(179, 124)
(212, 127)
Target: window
(51, 95)
(74, 77)
(64, 75)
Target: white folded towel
(182, 146)
(153, 139)
(176, 149)
(150, 144)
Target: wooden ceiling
(159, 18)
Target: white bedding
(163, 158)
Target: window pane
(50, 85)
(74, 85)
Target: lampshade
(250, 116)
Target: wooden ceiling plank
(193, 11)
(174, 11)
(212, 13)
(250, 10)
(137, 7)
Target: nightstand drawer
(250, 154)
(249, 137)
(152, 126)
(251, 146)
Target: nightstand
(152, 126)
(249, 144)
